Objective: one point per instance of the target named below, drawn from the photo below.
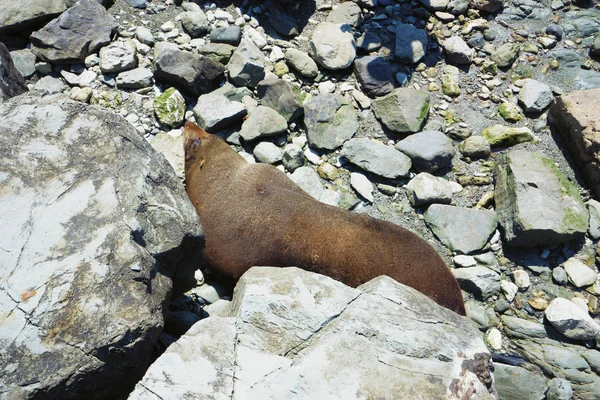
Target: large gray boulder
(536, 204)
(94, 227)
(332, 45)
(15, 15)
(11, 80)
(330, 121)
(75, 34)
(404, 110)
(293, 334)
(377, 158)
(191, 73)
(247, 64)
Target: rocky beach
(472, 123)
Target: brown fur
(253, 214)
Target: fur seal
(253, 214)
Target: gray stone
(404, 110)
(118, 56)
(506, 136)
(346, 13)
(16, 15)
(362, 185)
(559, 275)
(518, 327)
(191, 73)
(535, 96)
(50, 85)
(477, 314)
(579, 274)
(559, 389)
(220, 52)
(429, 150)
(425, 189)
(482, 282)
(301, 62)
(570, 320)
(332, 45)
(75, 34)
(196, 24)
(293, 157)
(283, 22)
(593, 207)
(411, 43)
(369, 41)
(262, 121)
(247, 64)
(505, 55)
(377, 158)
(374, 75)
(437, 5)
(228, 34)
(135, 79)
(233, 93)
(137, 3)
(267, 152)
(214, 112)
(330, 121)
(464, 230)
(475, 147)
(11, 81)
(280, 96)
(292, 347)
(536, 204)
(24, 61)
(144, 35)
(170, 145)
(309, 181)
(517, 383)
(458, 51)
(85, 243)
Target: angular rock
(535, 96)
(230, 35)
(490, 6)
(374, 75)
(450, 79)
(404, 110)
(297, 346)
(283, 22)
(515, 383)
(505, 55)
(195, 23)
(536, 204)
(377, 158)
(429, 150)
(458, 51)
(510, 112)
(75, 34)
(135, 79)
(506, 136)
(169, 108)
(262, 121)
(280, 96)
(411, 43)
(301, 62)
(308, 180)
(118, 56)
(24, 14)
(214, 112)
(426, 189)
(330, 121)
(24, 61)
(11, 81)
(332, 45)
(247, 64)
(346, 13)
(170, 145)
(191, 73)
(575, 117)
(362, 185)
(570, 320)
(464, 230)
(293, 157)
(437, 5)
(481, 281)
(267, 152)
(92, 218)
(475, 147)
(220, 52)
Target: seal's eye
(195, 143)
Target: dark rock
(374, 75)
(189, 72)
(556, 31)
(280, 96)
(77, 33)
(228, 35)
(11, 80)
(283, 22)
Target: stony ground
(553, 42)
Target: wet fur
(253, 214)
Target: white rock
(571, 320)
(464, 261)
(494, 338)
(521, 279)
(580, 274)
(510, 290)
(362, 185)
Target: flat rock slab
(404, 110)
(536, 204)
(280, 96)
(93, 223)
(290, 335)
(374, 75)
(247, 64)
(17, 14)
(191, 73)
(464, 230)
(214, 112)
(377, 158)
(575, 117)
(330, 121)
(75, 34)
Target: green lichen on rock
(505, 136)
(169, 108)
(510, 112)
(109, 98)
